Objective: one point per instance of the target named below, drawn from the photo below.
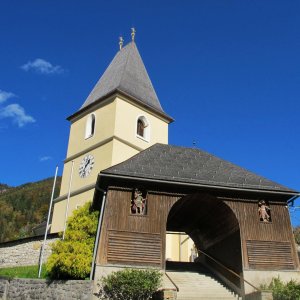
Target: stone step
(193, 285)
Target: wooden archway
(214, 228)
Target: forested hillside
(24, 207)
(3, 188)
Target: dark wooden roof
(190, 165)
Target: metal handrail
(229, 270)
(177, 288)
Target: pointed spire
(126, 74)
(133, 31)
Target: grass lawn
(23, 272)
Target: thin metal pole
(98, 234)
(47, 225)
(68, 200)
(180, 247)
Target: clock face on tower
(86, 166)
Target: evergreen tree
(71, 258)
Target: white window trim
(88, 126)
(147, 129)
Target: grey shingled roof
(190, 165)
(126, 73)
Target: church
(121, 117)
(168, 206)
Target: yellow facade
(114, 140)
(179, 247)
(104, 128)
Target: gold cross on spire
(133, 33)
(121, 42)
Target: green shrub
(296, 232)
(71, 258)
(284, 291)
(130, 284)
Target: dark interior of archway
(213, 227)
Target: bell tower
(121, 117)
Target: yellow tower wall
(83, 188)
(103, 159)
(61, 206)
(114, 141)
(104, 128)
(127, 114)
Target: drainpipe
(293, 199)
(98, 232)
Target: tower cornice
(122, 94)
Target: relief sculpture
(138, 203)
(264, 211)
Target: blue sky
(227, 71)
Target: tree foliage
(24, 207)
(71, 258)
(130, 284)
(296, 232)
(284, 291)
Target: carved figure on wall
(264, 211)
(138, 203)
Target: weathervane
(121, 42)
(133, 33)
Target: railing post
(230, 271)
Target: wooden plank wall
(254, 233)
(134, 231)
(269, 255)
(133, 247)
(134, 239)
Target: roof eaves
(119, 91)
(203, 185)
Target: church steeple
(126, 74)
(121, 117)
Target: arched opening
(214, 229)
(140, 128)
(90, 126)
(143, 128)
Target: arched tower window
(143, 128)
(140, 128)
(90, 126)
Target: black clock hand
(86, 164)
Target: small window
(138, 205)
(143, 128)
(90, 126)
(140, 128)
(264, 211)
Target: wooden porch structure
(223, 220)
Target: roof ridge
(125, 65)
